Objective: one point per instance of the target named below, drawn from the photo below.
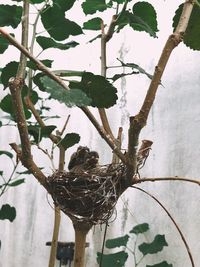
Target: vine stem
(172, 219)
(176, 178)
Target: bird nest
(87, 196)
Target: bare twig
(173, 178)
(174, 222)
(139, 121)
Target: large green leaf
(64, 4)
(96, 87)
(71, 98)
(117, 242)
(140, 228)
(161, 264)
(117, 259)
(155, 246)
(70, 140)
(54, 21)
(46, 42)
(8, 71)
(7, 212)
(92, 6)
(191, 37)
(93, 24)
(10, 15)
(145, 18)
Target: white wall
(174, 128)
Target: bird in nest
(83, 160)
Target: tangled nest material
(89, 191)
(87, 196)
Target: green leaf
(71, 98)
(161, 264)
(17, 182)
(38, 133)
(46, 42)
(8, 154)
(46, 62)
(192, 35)
(93, 24)
(63, 4)
(10, 15)
(8, 71)
(68, 73)
(117, 242)
(37, 1)
(3, 44)
(7, 212)
(92, 6)
(60, 28)
(151, 248)
(37, 81)
(148, 18)
(140, 228)
(117, 259)
(96, 87)
(47, 130)
(70, 140)
(7, 106)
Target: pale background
(173, 126)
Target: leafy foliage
(93, 24)
(46, 42)
(7, 213)
(192, 35)
(140, 229)
(161, 264)
(117, 259)
(112, 259)
(54, 21)
(38, 133)
(155, 246)
(92, 6)
(69, 97)
(96, 87)
(9, 71)
(117, 242)
(10, 15)
(70, 140)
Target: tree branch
(139, 121)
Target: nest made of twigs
(88, 196)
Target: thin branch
(102, 111)
(24, 40)
(139, 121)
(30, 165)
(172, 219)
(104, 135)
(36, 114)
(173, 178)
